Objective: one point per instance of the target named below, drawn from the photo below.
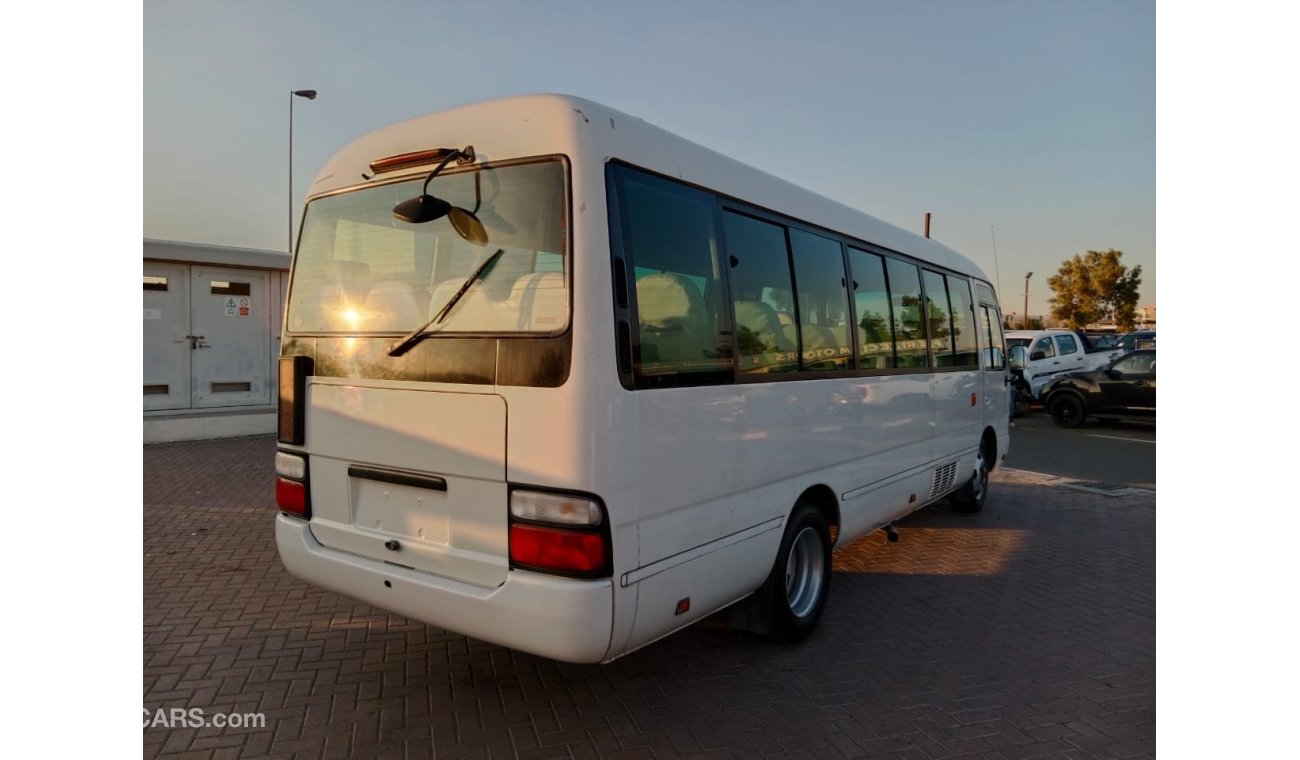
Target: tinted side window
(1137, 364)
(905, 303)
(939, 320)
(1066, 344)
(766, 328)
(963, 322)
(670, 236)
(823, 301)
(995, 357)
(875, 321)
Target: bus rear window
(359, 270)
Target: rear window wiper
(406, 342)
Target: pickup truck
(1056, 352)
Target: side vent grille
(624, 348)
(620, 283)
(943, 479)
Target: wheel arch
(1066, 391)
(989, 445)
(824, 499)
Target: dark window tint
(766, 327)
(670, 235)
(823, 302)
(905, 303)
(871, 299)
(939, 319)
(1137, 364)
(963, 322)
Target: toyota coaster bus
(557, 379)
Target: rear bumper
(568, 620)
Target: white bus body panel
(697, 481)
(554, 617)
(458, 533)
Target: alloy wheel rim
(804, 572)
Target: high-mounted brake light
(416, 158)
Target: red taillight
(568, 551)
(291, 497)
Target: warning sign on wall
(237, 307)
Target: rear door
(1130, 386)
(411, 477)
(1069, 353)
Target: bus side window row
(789, 289)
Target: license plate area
(388, 504)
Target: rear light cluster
(291, 493)
(564, 534)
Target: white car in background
(1055, 352)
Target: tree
(1093, 285)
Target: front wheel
(801, 575)
(970, 497)
(1067, 410)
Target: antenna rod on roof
(927, 224)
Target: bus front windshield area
(360, 270)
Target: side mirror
(1035, 356)
(1017, 357)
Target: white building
(211, 338)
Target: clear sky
(1030, 121)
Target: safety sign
(237, 307)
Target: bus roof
(592, 134)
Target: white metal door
(166, 325)
(230, 321)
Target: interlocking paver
(1026, 630)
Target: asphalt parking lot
(1098, 451)
(1027, 630)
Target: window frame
(566, 164)
(619, 249)
(722, 203)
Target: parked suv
(1137, 339)
(1123, 389)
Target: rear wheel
(970, 497)
(1067, 410)
(801, 575)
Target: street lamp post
(1027, 276)
(310, 95)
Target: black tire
(800, 579)
(1068, 410)
(970, 497)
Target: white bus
(557, 379)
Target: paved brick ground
(1025, 631)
